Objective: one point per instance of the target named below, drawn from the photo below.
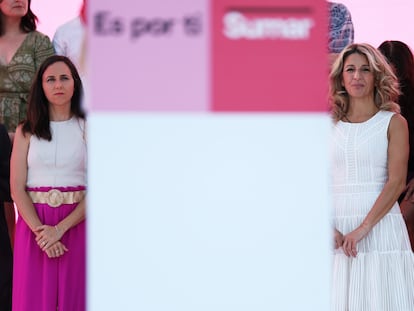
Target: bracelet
(57, 230)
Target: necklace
(346, 119)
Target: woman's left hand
(351, 240)
(56, 250)
(46, 236)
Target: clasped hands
(349, 241)
(48, 239)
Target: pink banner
(269, 55)
(197, 55)
(149, 55)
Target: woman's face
(357, 76)
(58, 84)
(14, 8)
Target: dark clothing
(6, 255)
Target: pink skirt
(41, 283)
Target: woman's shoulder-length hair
(38, 120)
(27, 23)
(386, 89)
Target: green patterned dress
(16, 77)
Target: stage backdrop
(376, 21)
(53, 13)
(388, 21)
(208, 179)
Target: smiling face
(358, 77)
(14, 8)
(58, 84)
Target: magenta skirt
(41, 283)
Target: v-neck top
(16, 77)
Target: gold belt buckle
(54, 197)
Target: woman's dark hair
(401, 60)
(27, 23)
(38, 119)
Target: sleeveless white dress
(381, 277)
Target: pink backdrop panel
(148, 55)
(269, 55)
(378, 20)
(52, 13)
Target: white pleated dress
(381, 277)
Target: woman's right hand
(352, 238)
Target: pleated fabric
(381, 277)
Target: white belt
(55, 197)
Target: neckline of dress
(63, 121)
(17, 50)
(372, 117)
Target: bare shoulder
(397, 120)
(398, 126)
(20, 137)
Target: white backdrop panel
(208, 212)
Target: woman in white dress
(373, 265)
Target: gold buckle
(54, 197)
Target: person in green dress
(22, 50)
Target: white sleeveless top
(60, 162)
(361, 151)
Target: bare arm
(18, 178)
(398, 148)
(73, 218)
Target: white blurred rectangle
(208, 212)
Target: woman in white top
(48, 183)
